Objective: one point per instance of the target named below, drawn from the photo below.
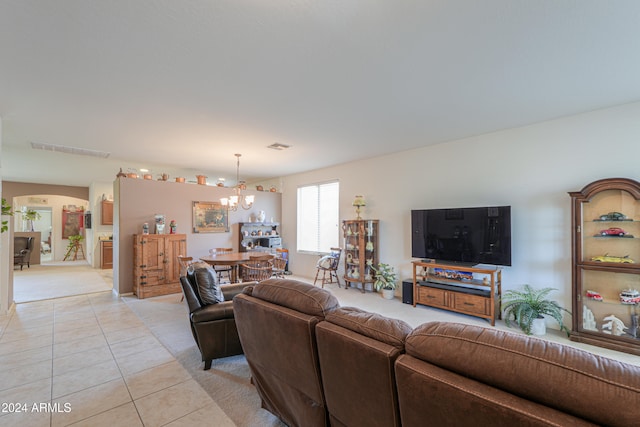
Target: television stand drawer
(471, 304)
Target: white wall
(531, 168)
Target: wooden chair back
(185, 262)
(256, 270)
(279, 267)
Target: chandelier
(238, 199)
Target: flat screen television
(466, 236)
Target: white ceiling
(189, 83)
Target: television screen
(465, 235)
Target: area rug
(228, 382)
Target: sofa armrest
(233, 289)
(213, 312)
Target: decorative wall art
(210, 217)
(72, 221)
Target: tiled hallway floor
(90, 361)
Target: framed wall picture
(72, 222)
(210, 217)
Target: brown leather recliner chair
(22, 247)
(276, 321)
(357, 351)
(213, 326)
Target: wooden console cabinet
(468, 290)
(156, 267)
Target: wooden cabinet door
(106, 213)
(175, 245)
(151, 253)
(106, 254)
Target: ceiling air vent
(69, 150)
(278, 146)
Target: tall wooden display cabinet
(606, 264)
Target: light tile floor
(90, 360)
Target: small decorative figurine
(173, 227)
(588, 319)
(145, 228)
(630, 296)
(614, 326)
(159, 219)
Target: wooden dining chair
(327, 268)
(258, 268)
(279, 267)
(222, 269)
(184, 262)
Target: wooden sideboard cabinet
(106, 254)
(469, 290)
(156, 267)
(253, 234)
(106, 212)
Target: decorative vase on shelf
(261, 216)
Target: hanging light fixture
(238, 199)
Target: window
(318, 218)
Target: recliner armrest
(231, 290)
(213, 312)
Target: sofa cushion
(296, 295)
(372, 325)
(206, 284)
(559, 376)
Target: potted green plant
(30, 215)
(74, 246)
(528, 307)
(385, 280)
(6, 211)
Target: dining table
(234, 259)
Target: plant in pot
(385, 280)
(6, 211)
(528, 307)
(30, 215)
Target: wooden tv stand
(468, 290)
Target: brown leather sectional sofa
(315, 363)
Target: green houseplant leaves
(522, 307)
